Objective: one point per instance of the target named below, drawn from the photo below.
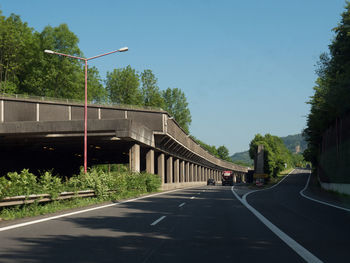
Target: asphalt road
(323, 230)
(205, 224)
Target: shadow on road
(199, 231)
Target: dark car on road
(211, 181)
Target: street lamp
(85, 106)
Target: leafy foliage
(123, 86)
(176, 104)
(331, 93)
(276, 155)
(150, 90)
(26, 183)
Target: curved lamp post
(85, 105)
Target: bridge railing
(79, 102)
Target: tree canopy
(331, 99)
(176, 104)
(276, 154)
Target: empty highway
(203, 224)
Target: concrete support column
(202, 174)
(176, 170)
(161, 167)
(150, 161)
(199, 173)
(190, 175)
(182, 171)
(187, 173)
(195, 173)
(134, 158)
(169, 169)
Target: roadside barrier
(40, 198)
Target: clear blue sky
(246, 67)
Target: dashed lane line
(181, 205)
(82, 211)
(158, 220)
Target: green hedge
(26, 183)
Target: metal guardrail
(77, 101)
(40, 198)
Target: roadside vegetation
(331, 98)
(107, 186)
(277, 157)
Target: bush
(26, 183)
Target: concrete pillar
(134, 158)
(169, 170)
(150, 161)
(176, 170)
(190, 175)
(161, 166)
(195, 173)
(187, 173)
(182, 171)
(199, 173)
(202, 174)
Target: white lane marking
(83, 211)
(181, 205)
(318, 201)
(193, 197)
(158, 220)
(304, 253)
(300, 250)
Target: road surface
(203, 224)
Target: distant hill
(242, 158)
(294, 143)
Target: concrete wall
(137, 126)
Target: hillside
(242, 157)
(294, 143)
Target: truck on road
(227, 178)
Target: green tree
(150, 90)
(177, 106)
(331, 93)
(52, 75)
(123, 86)
(15, 40)
(223, 153)
(96, 92)
(276, 154)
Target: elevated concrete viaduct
(38, 134)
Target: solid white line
(82, 211)
(158, 220)
(318, 201)
(181, 205)
(300, 250)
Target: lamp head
(123, 49)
